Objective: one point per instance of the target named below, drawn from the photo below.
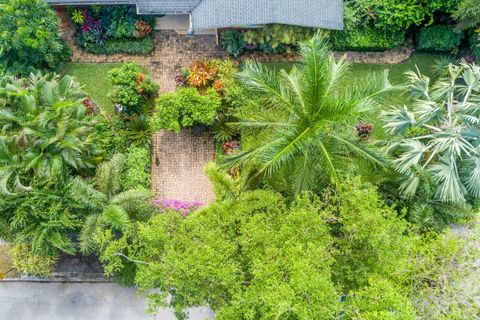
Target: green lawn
(423, 61)
(93, 76)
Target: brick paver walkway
(177, 165)
(177, 159)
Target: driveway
(82, 301)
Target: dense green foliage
(366, 39)
(29, 36)
(398, 15)
(46, 131)
(113, 29)
(137, 173)
(439, 38)
(274, 38)
(468, 14)
(298, 130)
(142, 46)
(185, 108)
(111, 205)
(132, 90)
(256, 255)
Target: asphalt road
(78, 301)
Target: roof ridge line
(199, 2)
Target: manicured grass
(359, 71)
(93, 76)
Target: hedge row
(142, 46)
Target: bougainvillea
(182, 206)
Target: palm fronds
(304, 118)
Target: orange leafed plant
(202, 74)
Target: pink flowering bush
(182, 206)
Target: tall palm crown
(436, 142)
(44, 130)
(304, 125)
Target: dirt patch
(6, 263)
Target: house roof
(211, 14)
(227, 13)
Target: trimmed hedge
(366, 39)
(141, 46)
(440, 38)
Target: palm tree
(436, 142)
(468, 14)
(304, 128)
(45, 129)
(111, 207)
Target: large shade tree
(303, 128)
(44, 130)
(436, 140)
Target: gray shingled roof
(166, 6)
(211, 14)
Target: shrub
(185, 108)
(232, 41)
(29, 36)
(132, 90)
(137, 173)
(439, 39)
(127, 46)
(32, 264)
(366, 39)
(110, 134)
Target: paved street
(75, 301)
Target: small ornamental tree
(30, 36)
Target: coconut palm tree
(110, 206)
(303, 128)
(468, 14)
(436, 141)
(44, 129)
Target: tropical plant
(302, 127)
(29, 35)
(44, 130)
(132, 90)
(138, 131)
(78, 16)
(443, 157)
(111, 207)
(232, 41)
(468, 14)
